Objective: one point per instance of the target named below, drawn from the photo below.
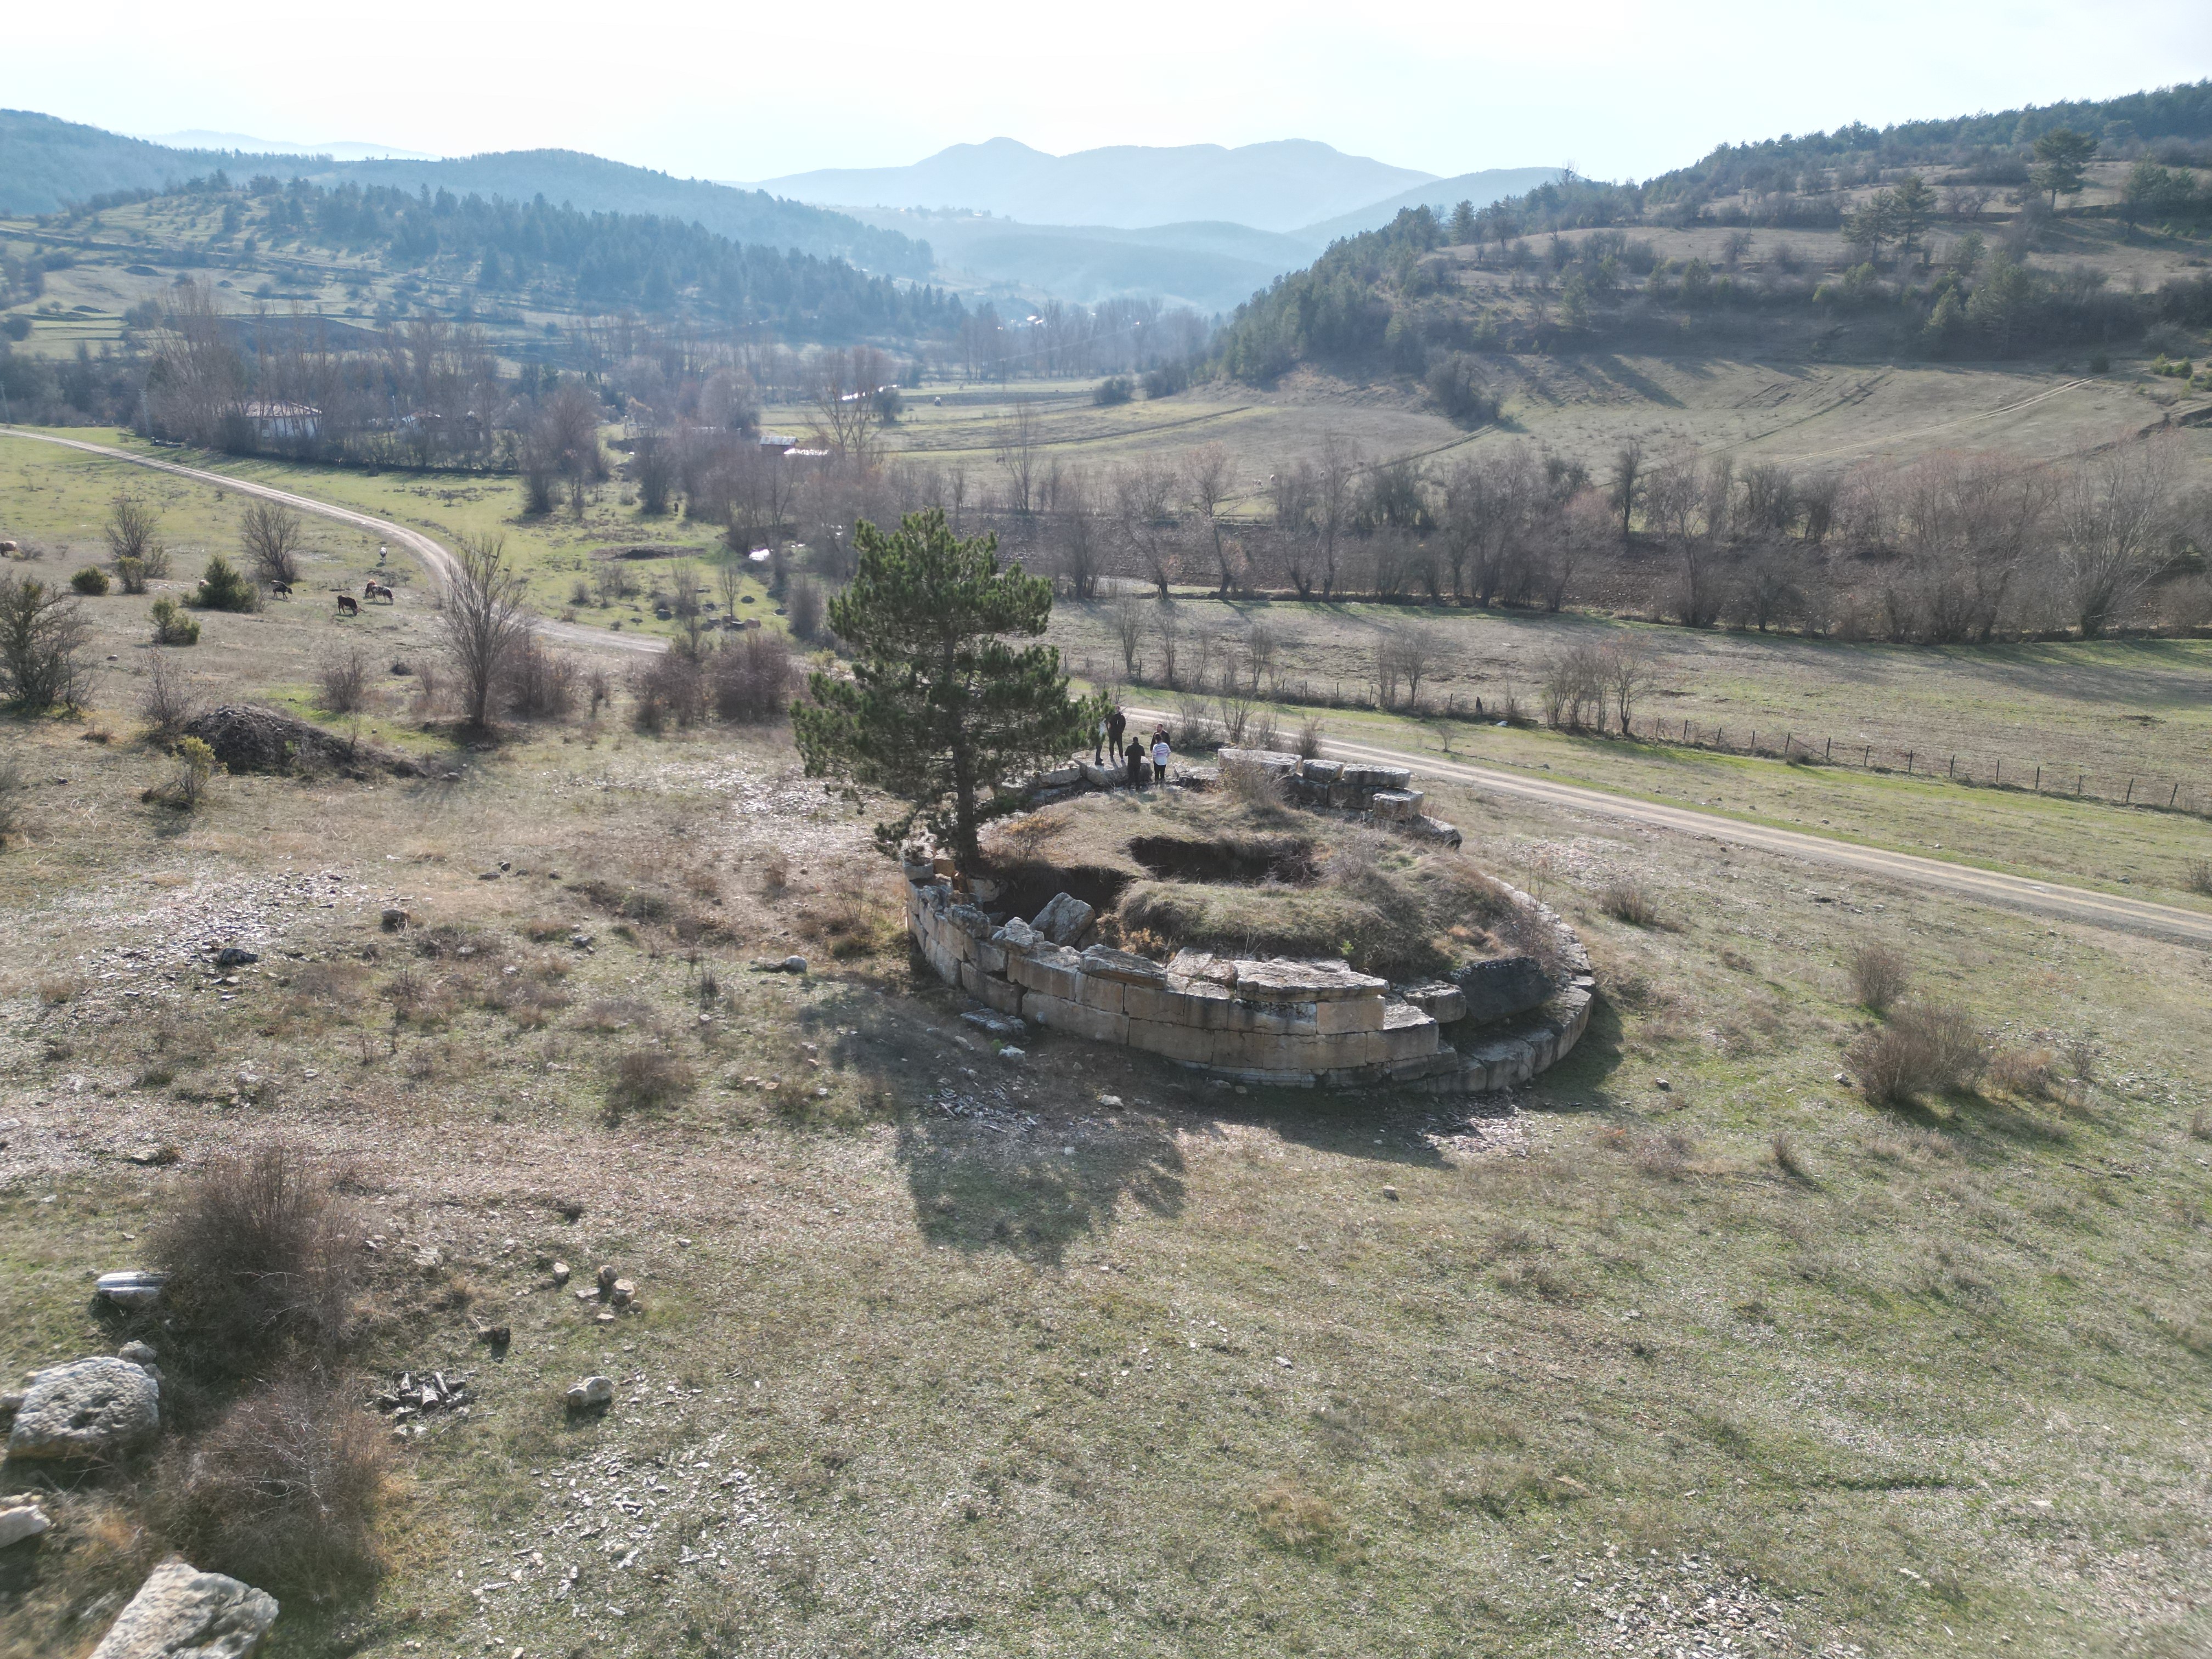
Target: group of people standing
(1141, 763)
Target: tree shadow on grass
(1025, 1193)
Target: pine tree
(941, 708)
(1463, 228)
(2061, 155)
(1911, 206)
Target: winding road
(2053, 899)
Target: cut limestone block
(1395, 805)
(1441, 1001)
(1053, 971)
(1065, 921)
(1303, 981)
(1503, 987)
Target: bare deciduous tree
(273, 535)
(132, 530)
(1128, 620)
(1206, 477)
(481, 618)
(1017, 450)
(1141, 493)
(2113, 510)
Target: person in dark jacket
(1116, 724)
(1135, 756)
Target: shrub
(2200, 1124)
(167, 702)
(1310, 738)
(195, 767)
(647, 1079)
(752, 679)
(1250, 784)
(172, 626)
(341, 683)
(1928, 1049)
(91, 581)
(1113, 389)
(2199, 879)
(1878, 977)
(260, 1250)
(223, 588)
(42, 638)
(670, 689)
(541, 682)
(281, 1492)
(1786, 1157)
(14, 791)
(806, 607)
(131, 573)
(1624, 901)
(133, 533)
(1457, 383)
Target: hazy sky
(751, 91)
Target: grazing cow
(9, 550)
(374, 589)
(348, 605)
(281, 590)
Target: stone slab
(89, 1408)
(1303, 981)
(1074, 1019)
(181, 1613)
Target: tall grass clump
(1927, 1048)
(1878, 977)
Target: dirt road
(1988, 886)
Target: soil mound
(249, 739)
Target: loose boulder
(89, 1408)
(131, 1287)
(181, 1613)
(20, 1522)
(1503, 987)
(593, 1394)
(1065, 921)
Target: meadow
(941, 1352)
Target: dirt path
(1988, 886)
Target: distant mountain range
(1196, 224)
(1272, 186)
(341, 149)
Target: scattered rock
(1065, 921)
(393, 919)
(779, 964)
(431, 1391)
(561, 1272)
(1662, 1084)
(593, 1394)
(181, 1613)
(131, 1287)
(795, 964)
(138, 1354)
(622, 1293)
(607, 1276)
(495, 1336)
(1002, 1026)
(89, 1408)
(10, 1403)
(1390, 1192)
(23, 1521)
(232, 956)
(154, 1157)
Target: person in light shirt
(1160, 754)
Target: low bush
(1878, 977)
(1310, 738)
(647, 1079)
(14, 797)
(91, 581)
(2199, 877)
(807, 608)
(224, 587)
(166, 703)
(172, 626)
(261, 1250)
(751, 677)
(542, 682)
(283, 1492)
(1927, 1048)
(131, 573)
(1250, 784)
(1113, 389)
(341, 683)
(669, 691)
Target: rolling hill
(1439, 195)
(46, 163)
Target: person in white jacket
(1160, 755)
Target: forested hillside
(46, 165)
(1985, 236)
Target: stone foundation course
(1276, 1021)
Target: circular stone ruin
(1298, 924)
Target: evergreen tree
(1911, 207)
(1463, 228)
(941, 708)
(2061, 156)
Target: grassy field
(57, 501)
(2108, 709)
(942, 1353)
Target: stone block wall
(1276, 1021)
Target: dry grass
(647, 1079)
(2198, 878)
(1298, 1521)
(1787, 1158)
(1878, 977)
(1626, 901)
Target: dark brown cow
(348, 605)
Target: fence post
(1786, 738)
(1828, 749)
(2131, 799)
(1954, 766)
(2081, 780)
(1866, 756)
(1754, 748)
(2175, 796)
(2039, 780)
(2000, 776)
